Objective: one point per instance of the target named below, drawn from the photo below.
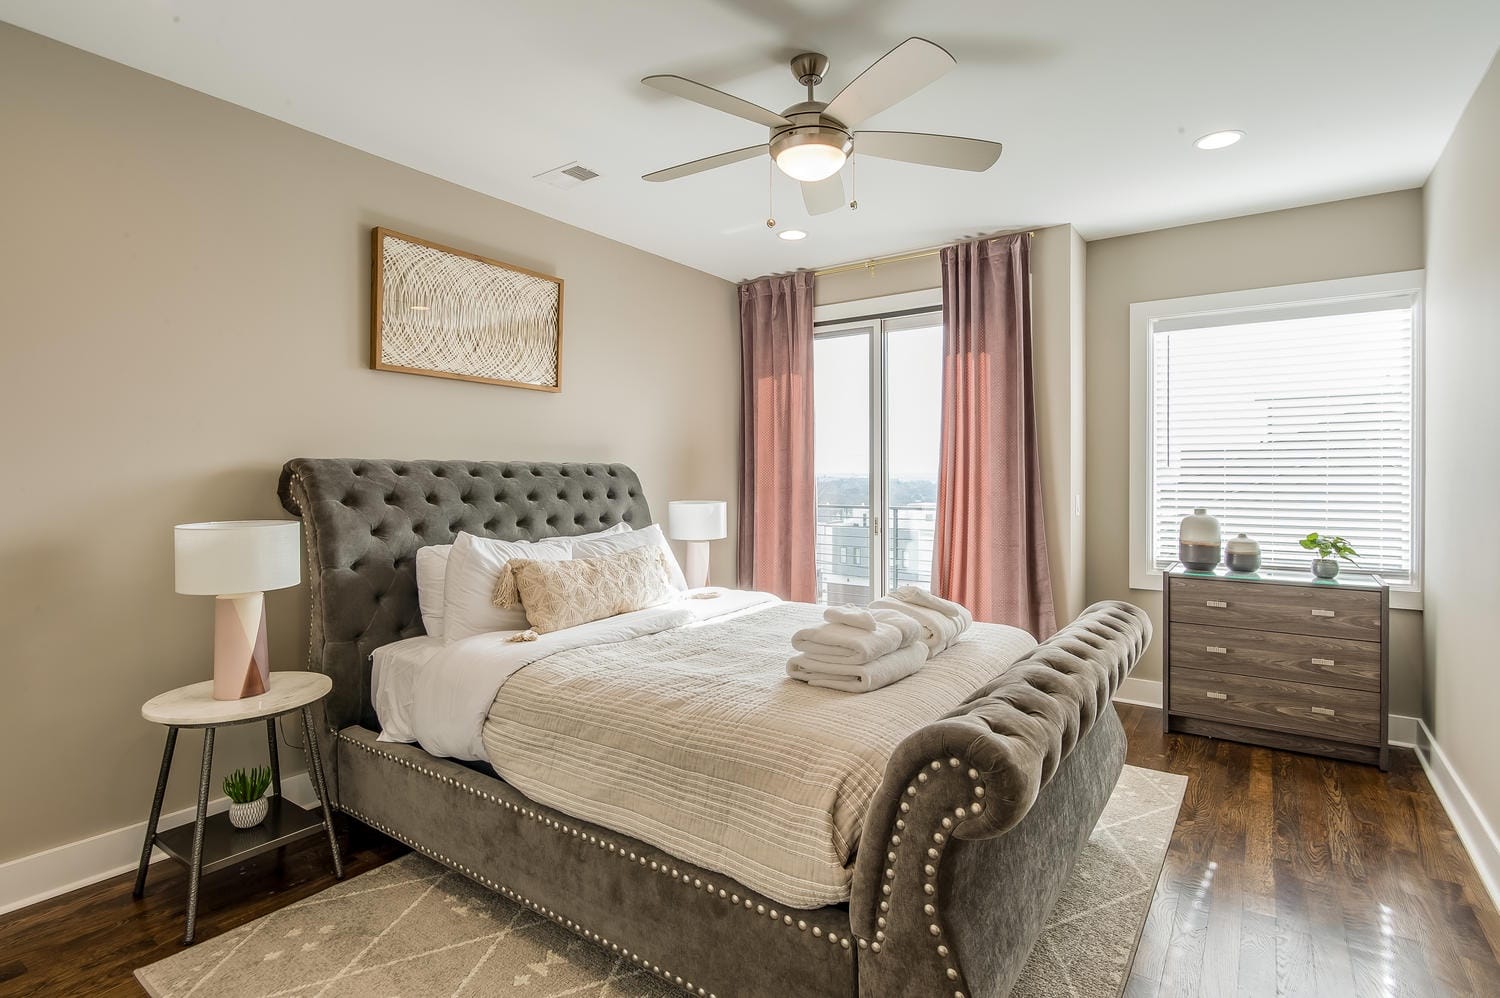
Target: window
(1283, 411)
(877, 391)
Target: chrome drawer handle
(1213, 695)
(1216, 650)
(1325, 662)
(1215, 602)
(1322, 613)
(1325, 711)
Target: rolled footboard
(974, 830)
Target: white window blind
(1287, 420)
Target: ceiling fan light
(811, 161)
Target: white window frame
(858, 316)
(1143, 318)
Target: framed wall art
(446, 313)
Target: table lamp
(237, 561)
(697, 521)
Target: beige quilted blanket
(694, 740)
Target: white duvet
(451, 693)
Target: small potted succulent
(247, 796)
(1330, 550)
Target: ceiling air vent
(568, 176)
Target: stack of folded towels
(857, 650)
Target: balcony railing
(843, 550)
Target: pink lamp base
(242, 664)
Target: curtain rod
(880, 261)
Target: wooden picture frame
(447, 313)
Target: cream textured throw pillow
(563, 594)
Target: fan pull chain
(770, 194)
(853, 183)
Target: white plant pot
(248, 815)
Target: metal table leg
(195, 869)
(315, 759)
(161, 790)
(275, 759)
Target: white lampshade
(697, 519)
(223, 557)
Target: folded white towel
(921, 597)
(847, 645)
(852, 615)
(937, 631)
(859, 679)
(904, 622)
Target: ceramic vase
(1325, 568)
(1198, 541)
(248, 815)
(1242, 554)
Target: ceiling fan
(810, 140)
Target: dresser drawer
(1316, 610)
(1326, 712)
(1301, 658)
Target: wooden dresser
(1279, 658)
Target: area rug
(415, 929)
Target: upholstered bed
(964, 847)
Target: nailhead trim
(929, 868)
(696, 883)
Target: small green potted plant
(1330, 550)
(247, 796)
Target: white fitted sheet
(393, 678)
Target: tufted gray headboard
(364, 520)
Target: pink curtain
(991, 548)
(777, 529)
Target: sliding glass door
(877, 426)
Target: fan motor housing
(810, 126)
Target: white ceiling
(1097, 102)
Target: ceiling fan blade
(949, 151)
(823, 196)
(706, 163)
(717, 99)
(893, 77)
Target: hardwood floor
(1287, 875)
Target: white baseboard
(68, 867)
(1141, 692)
(1474, 829)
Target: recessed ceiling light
(1220, 140)
(792, 235)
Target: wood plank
(1300, 658)
(1319, 611)
(1303, 709)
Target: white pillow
(646, 536)
(469, 591)
(432, 570)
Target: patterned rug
(413, 928)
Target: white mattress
(393, 680)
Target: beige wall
(1057, 264)
(185, 289)
(1370, 235)
(1463, 451)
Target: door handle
(1219, 603)
(1216, 695)
(1216, 650)
(1322, 613)
(1325, 662)
(1325, 711)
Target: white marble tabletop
(195, 707)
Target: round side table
(212, 843)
